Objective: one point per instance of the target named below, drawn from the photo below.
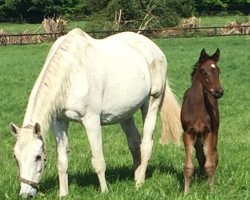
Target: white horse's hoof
(104, 190)
(62, 195)
(139, 184)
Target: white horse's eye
(38, 158)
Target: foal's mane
(194, 69)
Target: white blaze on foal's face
(213, 65)
(30, 156)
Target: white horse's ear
(37, 129)
(14, 129)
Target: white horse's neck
(45, 100)
(41, 107)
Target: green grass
(207, 21)
(19, 67)
(16, 28)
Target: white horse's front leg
(149, 113)
(60, 131)
(93, 129)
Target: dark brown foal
(200, 117)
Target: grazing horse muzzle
(26, 196)
(217, 93)
(28, 189)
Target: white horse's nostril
(24, 196)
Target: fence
(22, 39)
(27, 38)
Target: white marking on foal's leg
(60, 131)
(147, 142)
(93, 129)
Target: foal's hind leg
(211, 157)
(93, 129)
(188, 171)
(200, 156)
(134, 140)
(149, 112)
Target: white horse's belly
(117, 113)
(122, 100)
(114, 117)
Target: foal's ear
(216, 56)
(37, 129)
(14, 129)
(203, 56)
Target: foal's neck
(200, 94)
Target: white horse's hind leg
(93, 129)
(149, 113)
(134, 140)
(59, 129)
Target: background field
(205, 21)
(19, 68)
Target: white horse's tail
(170, 117)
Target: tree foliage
(120, 14)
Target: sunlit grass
(17, 28)
(222, 20)
(19, 68)
(205, 21)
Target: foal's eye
(38, 158)
(205, 74)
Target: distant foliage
(118, 14)
(136, 14)
(209, 7)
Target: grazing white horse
(95, 82)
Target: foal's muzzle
(218, 93)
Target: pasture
(19, 68)
(205, 21)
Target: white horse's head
(30, 155)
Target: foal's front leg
(92, 125)
(211, 157)
(59, 129)
(188, 171)
(199, 147)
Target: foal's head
(29, 153)
(207, 72)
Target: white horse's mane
(49, 91)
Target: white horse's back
(115, 67)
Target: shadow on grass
(169, 169)
(112, 175)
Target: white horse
(95, 82)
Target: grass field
(206, 21)
(19, 68)
(222, 20)
(17, 28)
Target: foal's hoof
(186, 191)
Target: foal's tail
(170, 117)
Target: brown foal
(200, 117)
